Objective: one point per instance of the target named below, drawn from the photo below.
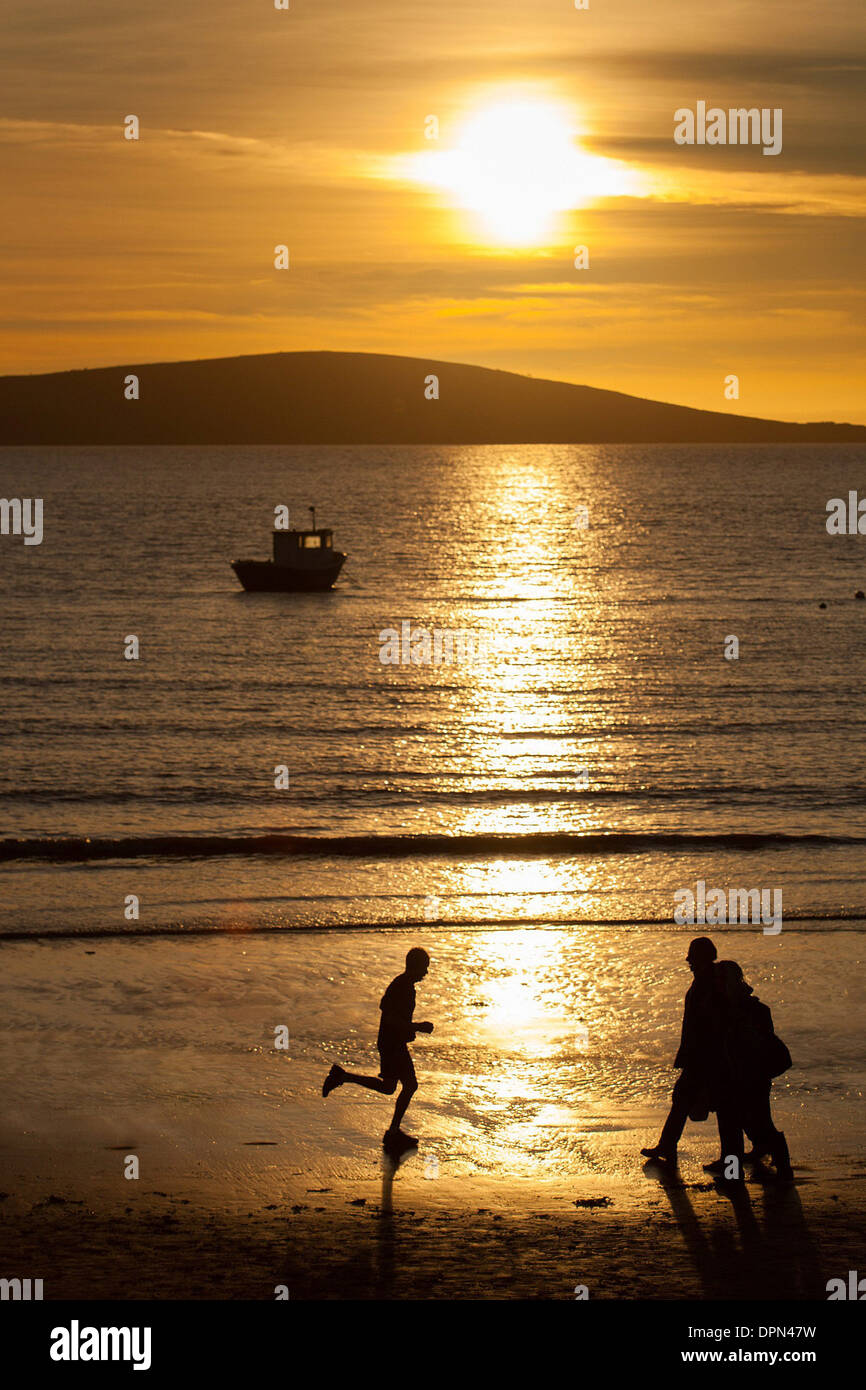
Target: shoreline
(833, 922)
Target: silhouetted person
(696, 1051)
(749, 1056)
(396, 1031)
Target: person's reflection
(386, 1236)
(692, 1232)
(788, 1235)
(767, 1252)
(745, 1272)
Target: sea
(655, 681)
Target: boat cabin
(288, 543)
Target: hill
(356, 398)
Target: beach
(172, 904)
(549, 1069)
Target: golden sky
(308, 127)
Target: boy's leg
(408, 1087)
(338, 1077)
(371, 1083)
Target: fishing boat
(303, 561)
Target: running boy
(396, 1031)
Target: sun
(516, 165)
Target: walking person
(750, 1055)
(697, 1048)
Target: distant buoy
(822, 605)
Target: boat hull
(264, 577)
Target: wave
(843, 920)
(394, 795)
(560, 843)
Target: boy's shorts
(395, 1064)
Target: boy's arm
(401, 1023)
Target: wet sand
(687, 1241)
(527, 1182)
